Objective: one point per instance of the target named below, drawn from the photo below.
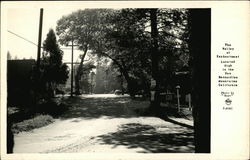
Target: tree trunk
(155, 102)
(50, 90)
(122, 84)
(200, 41)
(129, 83)
(79, 72)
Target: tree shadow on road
(149, 140)
(168, 114)
(113, 107)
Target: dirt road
(107, 123)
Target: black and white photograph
(108, 79)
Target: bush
(36, 122)
(52, 107)
(16, 114)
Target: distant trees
(84, 82)
(8, 55)
(54, 72)
(107, 77)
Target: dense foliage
(54, 72)
(125, 37)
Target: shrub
(36, 122)
(52, 107)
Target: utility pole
(72, 69)
(39, 39)
(178, 98)
(37, 71)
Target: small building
(19, 81)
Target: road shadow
(114, 107)
(168, 114)
(149, 140)
(95, 107)
(176, 122)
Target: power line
(28, 40)
(22, 38)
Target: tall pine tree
(54, 71)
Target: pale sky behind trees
(25, 22)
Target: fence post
(178, 98)
(189, 102)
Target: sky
(25, 22)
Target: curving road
(107, 123)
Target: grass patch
(36, 122)
(12, 110)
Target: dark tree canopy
(54, 71)
(124, 36)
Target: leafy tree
(128, 42)
(82, 28)
(54, 71)
(124, 37)
(124, 43)
(167, 28)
